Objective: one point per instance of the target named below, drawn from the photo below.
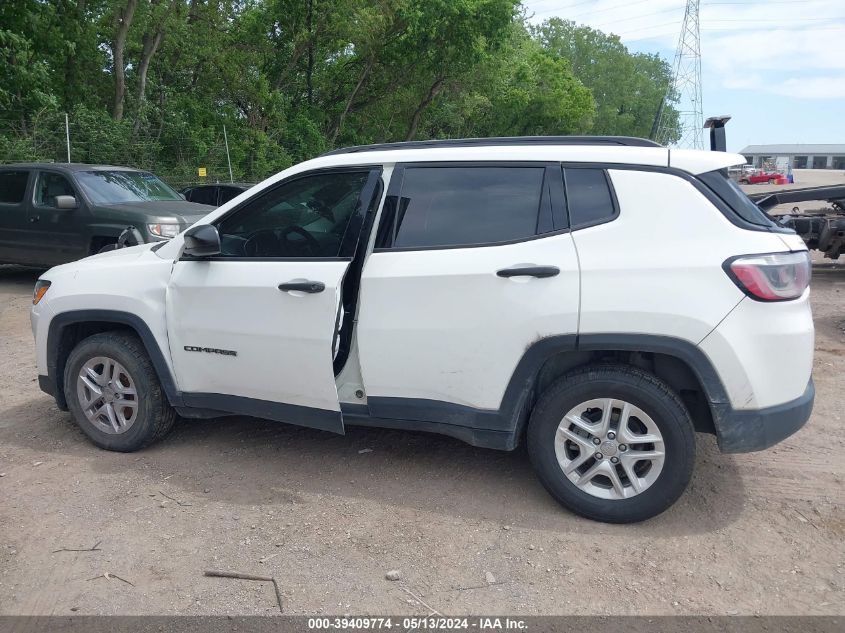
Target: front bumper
(741, 431)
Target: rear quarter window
(588, 196)
(730, 193)
(13, 186)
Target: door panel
(14, 185)
(56, 236)
(266, 344)
(443, 325)
(251, 330)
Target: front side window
(120, 186)
(588, 196)
(462, 206)
(306, 217)
(13, 186)
(49, 187)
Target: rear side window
(227, 193)
(13, 186)
(588, 196)
(721, 184)
(463, 206)
(203, 195)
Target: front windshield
(114, 187)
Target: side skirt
(359, 415)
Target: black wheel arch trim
(55, 368)
(501, 428)
(493, 428)
(186, 403)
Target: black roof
(629, 141)
(71, 167)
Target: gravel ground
(469, 530)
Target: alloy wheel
(609, 448)
(107, 395)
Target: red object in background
(771, 177)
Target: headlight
(41, 287)
(164, 230)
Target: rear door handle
(303, 285)
(529, 271)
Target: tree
(627, 87)
(152, 82)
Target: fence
(174, 152)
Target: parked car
(215, 194)
(769, 177)
(56, 213)
(597, 298)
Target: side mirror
(66, 202)
(202, 241)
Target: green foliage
(628, 88)
(290, 79)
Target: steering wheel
(310, 241)
(263, 243)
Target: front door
(56, 236)
(252, 330)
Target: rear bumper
(745, 431)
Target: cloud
(793, 48)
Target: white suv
(601, 298)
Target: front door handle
(35, 218)
(529, 271)
(303, 285)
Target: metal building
(799, 155)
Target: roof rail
(629, 141)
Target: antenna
(685, 86)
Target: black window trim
(692, 179)
(553, 191)
(613, 199)
(29, 183)
(350, 238)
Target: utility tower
(685, 86)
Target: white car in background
(599, 298)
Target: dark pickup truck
(52, 214)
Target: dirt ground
(470, 530)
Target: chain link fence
(173, 152)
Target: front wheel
(114, 394)
(612, 443)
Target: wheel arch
(679, 363)
(67, 329)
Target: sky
(777, 67)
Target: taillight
(773, 277)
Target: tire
(771, 181)
(132, 427)
(661, 480)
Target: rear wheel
(612, 443)
(114, 394)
